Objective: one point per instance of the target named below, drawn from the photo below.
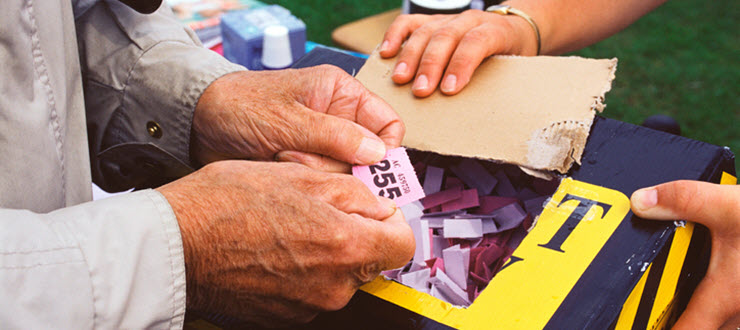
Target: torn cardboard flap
(535, 112)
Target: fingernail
(646, 198)
(384, 46)
(370, 151)
(400, 69)
(448, 85)
(421, 82)
(387, 203)
(287, 156)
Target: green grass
(683, 60)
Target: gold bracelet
(507, 10)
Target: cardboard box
(589, 262)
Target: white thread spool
(276, 48)
(438, 6)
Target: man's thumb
(340, 139)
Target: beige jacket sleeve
(94, 265)
(66, 263)
(142, 76)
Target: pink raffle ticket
(393, 177)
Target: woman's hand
(445, 50)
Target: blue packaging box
(242, 33)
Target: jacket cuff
(132, 247)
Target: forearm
(568, 25)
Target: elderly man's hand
(276, 243)
(716, 302)
(318, 116)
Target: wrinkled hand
(458, 43)
(276, 243)
(716, 301)
(318, 116)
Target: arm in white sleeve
(110, 264)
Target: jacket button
(154, 129)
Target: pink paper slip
(393, 177)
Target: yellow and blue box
(589, 263)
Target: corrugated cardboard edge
(561, 144)
(554, 147)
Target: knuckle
(405, 19)
(475, 37)
(461, 61)
(345, 183)
(414, 17)
(431, 59)
(330, 69)
(426, 30)
(445, 35)
(339, 241)
(405, 22)
(471, 14)
(411, 51)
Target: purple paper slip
(526, 193)
(535, 205)
(472, 216)
(433, 179)
(422, 237)
(509, 216)
(475, 175)
(453, 182)
(450, 291)
(499, 239)
(434, 264)
(475, 214)
(456, 261)
(439, 243)
(489, 204)
(489, 226)
(417, 279)
(435, 222)
(393, 177)
(413, 210)
(441, 197)
(468, 199)
(463, 228)
(504, 188)
(392, 273)
(480, 280)
(448, 214)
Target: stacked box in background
(204, 16)
(242, 33)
